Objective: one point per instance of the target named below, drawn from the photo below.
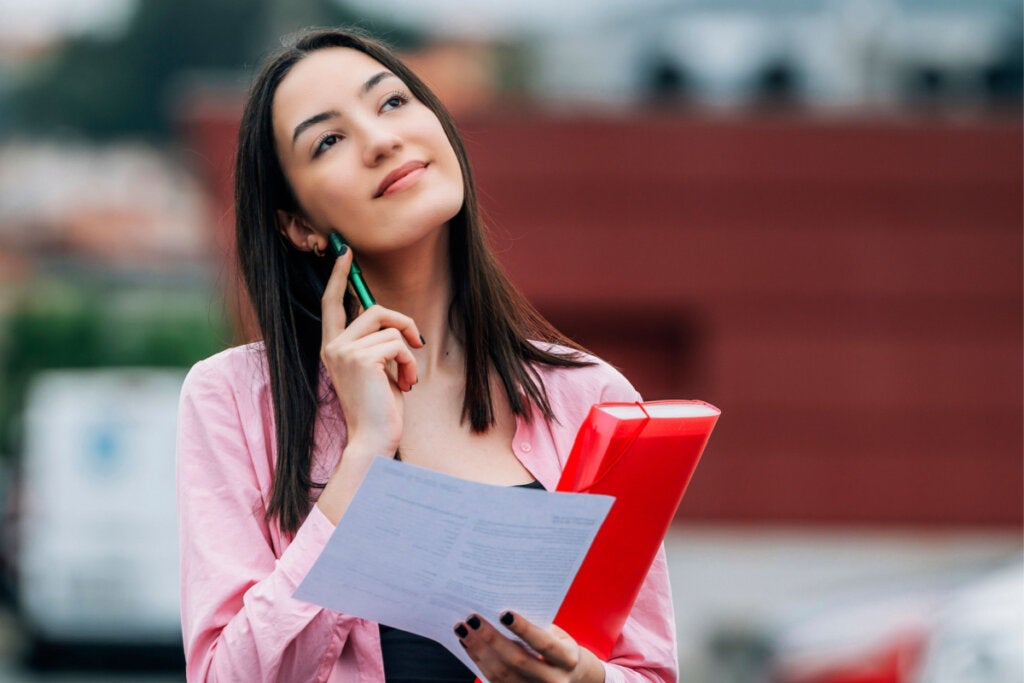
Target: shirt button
(525, 447)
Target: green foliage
(64, 325)
(116, 87)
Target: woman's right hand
(370, 365)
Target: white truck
(98, 552)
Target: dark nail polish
(507, 618)
(422, 340)
(338, 245)
(461, 631)
(474, 622)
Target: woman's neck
(417, 282)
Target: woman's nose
(380, 144)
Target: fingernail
(461, 631)
(422, 340)
(507, 618)
(474, 622)
(337, 244)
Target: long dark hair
(492, 320)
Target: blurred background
(807, 212)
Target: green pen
(355, 276)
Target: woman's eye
(394, 101)
(325, 142)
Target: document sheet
(421, 551)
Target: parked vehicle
(97, 557)
(947, 630)
(978, 634)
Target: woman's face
(362, 156)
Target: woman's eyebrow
(312, 121)
(325, 115)
(374, 80)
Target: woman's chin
(402, 240)
(421, 223)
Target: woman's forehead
(322, 78)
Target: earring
(316, 250)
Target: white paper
(421, 551)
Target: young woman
(453, 370)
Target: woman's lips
(402, 177)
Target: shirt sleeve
(239, 621)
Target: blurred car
(949, 630)
(978, 634)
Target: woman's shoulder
(597, 382)
(233, 368)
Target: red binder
(643, 454)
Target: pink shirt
(238, 572)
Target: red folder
(643, 454)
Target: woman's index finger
(377, 317)
(553, 649)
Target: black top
(409, 658)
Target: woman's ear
(299, 233)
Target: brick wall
(848, 293)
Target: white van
(98, 555)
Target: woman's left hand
(558, 658)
